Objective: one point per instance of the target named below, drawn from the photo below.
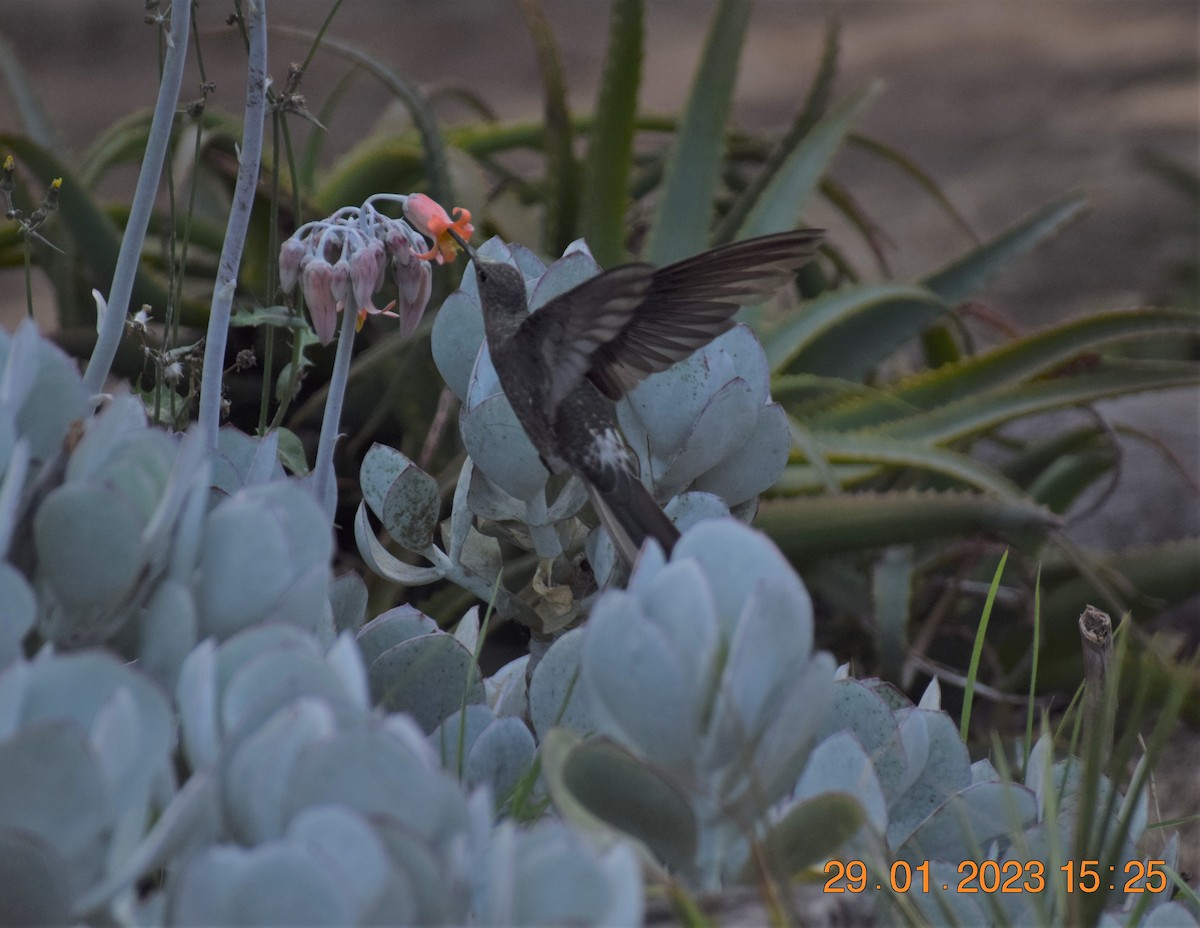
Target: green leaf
(562, 184)
(1006, 365)
(612, 786)
(291, 452)
(872, 448)
(782, 199)
(810, 833)
(961, 277)
(810, 528)
(685, 202)
(865, 322)
(437, 169)
(985, 411)
(610, 145)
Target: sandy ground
(1008, 103)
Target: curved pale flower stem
(121, 288)
(324, 486)
(239, 218)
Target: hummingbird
(564, 366)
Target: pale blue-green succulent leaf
(507, 692)
(410, 509)
(243, 460)
(276, 884)
(734, 557)
(252, 772)
(426, 677)
(557, 695)
(51, 787)
(755, 464)
(385, 564)
(946, 770)
(46, 395)
(970, 820)
(260, 545)
(352, 853)
(34, 880)
(839, 764)
(680, 603)
(377, 773)
(390, 628)
(500, 757)
(500, 448)
(812, 830)
(640, 691)
(20, 611)
(167, 631)
(457, 335)
(563, 275)
(723, 426)
(89, 546)
(196, 697)
(861, 712)
(348, 599)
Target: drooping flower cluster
(342, 261)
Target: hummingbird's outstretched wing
(625, 324)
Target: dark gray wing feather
(633, 321)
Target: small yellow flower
(429, 218)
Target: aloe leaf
(124, 142)
(782, 199)
(957, 280)
(868, 322)
(562, 188)
(1008, 364)
(815, 105)
(871, 448)
(917, 173)
(1027, 465)
(985, 411)
(810, 528)
(685, 203)
(610, 144)
(32, 115)
(437, 169)
(1065, 480)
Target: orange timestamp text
(993, 876)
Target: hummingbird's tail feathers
(630, 515)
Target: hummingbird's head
(501, 286)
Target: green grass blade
(961, 277)
(437, 170)
(847, 332)
(782, 199)
(977, 650)
(815, 106)
(562, 172)
(610, 145)
(1033, 672)
(685, 204)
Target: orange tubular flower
(429, 218)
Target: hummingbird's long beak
(462, 243)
